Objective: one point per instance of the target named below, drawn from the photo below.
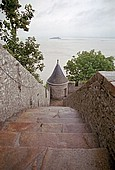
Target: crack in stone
(17, 142)
(43, 161)
(57, 115)
(35, 163)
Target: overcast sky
(72, 18)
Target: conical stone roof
(57, 76)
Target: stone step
(21, 158)
(76, 159)
(47, 127)
(52, 109)
(59, 140)
(35, 114)
(48, 120)
(56, 140)
(60, 120)
(41, 158)
(34, 117)
(76, 128)
(50, 138)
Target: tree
(86, 64)
(27, 53)
(14, 19)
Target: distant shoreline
(57, 38)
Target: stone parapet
(19, 90)
(95, 100)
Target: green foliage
(27, 53)
(14, 19)
(86, 64)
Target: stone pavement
(50, 138)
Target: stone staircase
(50, 138)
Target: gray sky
(74, 18)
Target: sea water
(64, 49)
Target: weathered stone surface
(81, 159)
(60, 120)
(19, 126)
(34, 127)
(59, 140)
(8, 138)
(41, 119)
(20, 158)
(76, 128)
(96, 102)
(18, 88)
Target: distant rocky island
(58, 38)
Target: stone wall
(95, 100)
(71, 87)
(58, 91)
(18, 88)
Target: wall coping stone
(107, 78)
(109, 75)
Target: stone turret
(58, 83)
